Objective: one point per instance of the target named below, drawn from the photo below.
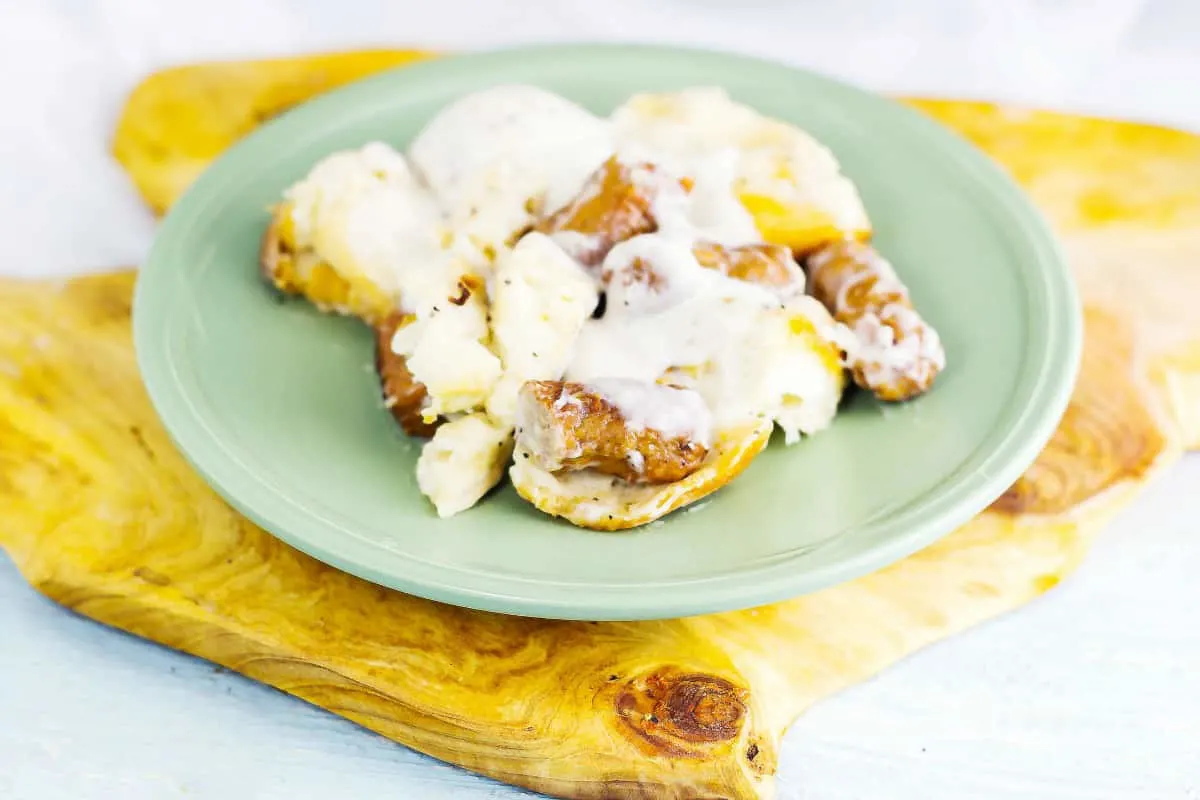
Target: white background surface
(1090, 693)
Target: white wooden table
(1092, 692)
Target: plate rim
(1057, 369)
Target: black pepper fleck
(601, 306)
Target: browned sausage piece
(569, 426)
(613, 206)
(765, 264)
(895, 353)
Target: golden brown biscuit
(302, 273)
(600, 502)
(569, 427)
(895, 354)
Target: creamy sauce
(664, 310)
(540, 300)
(574, 243)
(708, 330)
(675, 413)
(497, 157)
(710, 210)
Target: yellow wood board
(101, 514)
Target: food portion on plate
(616, 311)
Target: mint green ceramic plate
(277, 406)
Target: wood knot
(1106, 436)
(681, 714)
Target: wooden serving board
(100, 512)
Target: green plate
(277, 405)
